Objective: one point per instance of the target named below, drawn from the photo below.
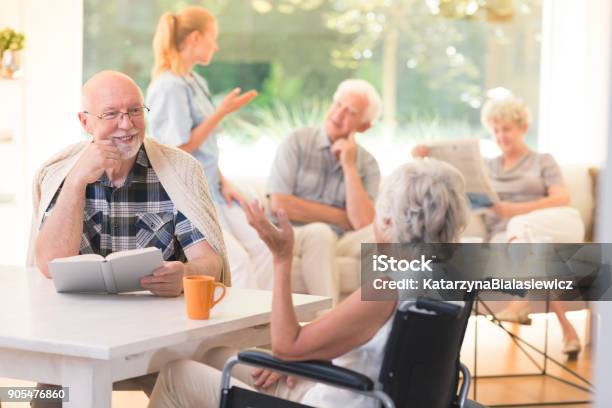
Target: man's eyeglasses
(136, 112)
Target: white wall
(576, 123)
(575, 80)
(53, 79)
(11, 109)
(40, 108)
(603, 343)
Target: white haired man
(327, 183)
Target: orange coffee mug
(200, 295)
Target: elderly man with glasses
(122, 190)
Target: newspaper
(464, 155)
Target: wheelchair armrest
(321, 371)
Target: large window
(434, 62)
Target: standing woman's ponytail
(164, 46)
(172, 29)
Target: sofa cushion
(579, 184)
(577, 179)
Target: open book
(464, 155)
(118, 272)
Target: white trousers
(187, 383)
(316, 269)
(350, 243)
(249, 258)
(560, 224)
(251, 261)
(314, 255)
(316, 247)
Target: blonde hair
(507, 110)
(172, 29)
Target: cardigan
(179, 173)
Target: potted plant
(11, 43)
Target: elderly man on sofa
(327, 183)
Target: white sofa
(577, 178)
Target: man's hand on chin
(345, 150)
(166, 281)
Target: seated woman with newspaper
(533, 203)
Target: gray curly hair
(423, 201)
(511, 110)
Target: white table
(87, 342)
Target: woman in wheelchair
(420, 202)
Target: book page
(464, 155)
(128, 267)
(81, 258)
(130, 252)
(78, 274)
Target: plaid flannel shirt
(138, 214)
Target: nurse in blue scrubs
(184, 115)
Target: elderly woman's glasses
(136, 112)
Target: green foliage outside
(295, 52)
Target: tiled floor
(498, 354)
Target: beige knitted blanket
(180, 174)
